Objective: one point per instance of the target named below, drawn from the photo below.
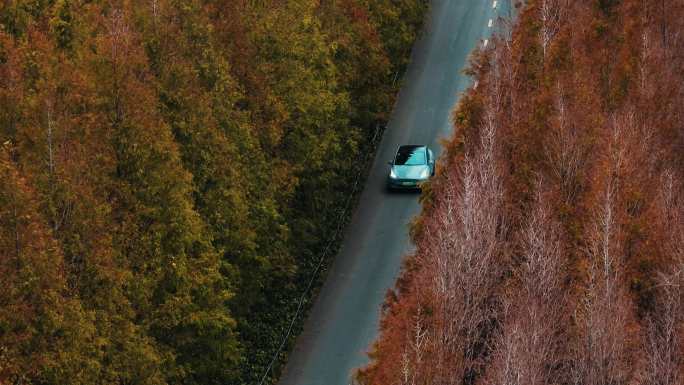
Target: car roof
(411, 146)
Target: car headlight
(392, 174)
(425, 174)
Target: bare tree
(664, 363)
(551, 16)
(602, 316)
(646, 57)
(466, 243)
(665, 327)
(671, 207)
(602, 355)
(528, 349)
(565, 153)
(50, 139)
(120, 36)
(414, 351)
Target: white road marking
(494, 5)
(490, 23)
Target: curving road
(344, 320)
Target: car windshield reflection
(410, 156)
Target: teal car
(411, 166)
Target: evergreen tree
(176, 287)
(184, 161)
(45, 336)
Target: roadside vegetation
(171, 171)
(549, 250)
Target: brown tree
(664, 335)
(529, 348)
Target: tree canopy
(171, 170)
(549, 246)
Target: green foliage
(607, 6)
(45, 336)
(398, 23)
(185, 162)
(62, 24)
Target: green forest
(171, 171)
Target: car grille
(404, 182)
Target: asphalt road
(344, 320)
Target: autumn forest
(550, 248)
(171, 170)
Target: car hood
(410, 172)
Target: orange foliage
(588, 103)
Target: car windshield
(410, 156)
